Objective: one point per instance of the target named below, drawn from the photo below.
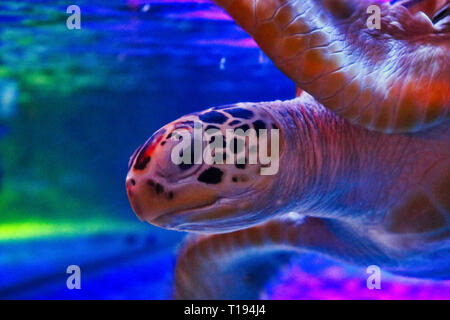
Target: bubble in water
(8, 98)
(222, 63)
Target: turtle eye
(183, 150)
(186, 166)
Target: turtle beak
(132, 197)
(163, 206)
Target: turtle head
(199, 173)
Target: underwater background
(75, 104)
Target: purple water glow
(332, 281)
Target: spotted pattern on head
(159, 189)
(211, 175)
(239, 117)
(148, 159)
(240, 113)
(220, 187)
(213, 117)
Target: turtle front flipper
(237, 265)
(391, 78)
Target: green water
(87, 98)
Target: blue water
(84, 100)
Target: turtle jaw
(164, 209)
(221, 214)
(174, 220)
(193, 206)
(195, 221)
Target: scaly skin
(237, 265)
(328, 168)
(384, 197)
(351, 189)
(368, 196)
(395, 79)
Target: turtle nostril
(131, 182)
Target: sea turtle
(364, 151)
